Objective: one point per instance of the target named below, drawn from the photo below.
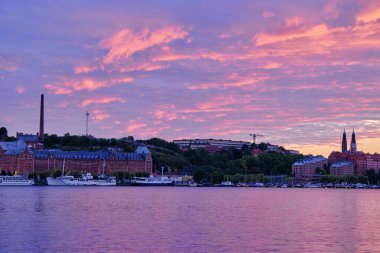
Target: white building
(211, 144)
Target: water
(168, 219)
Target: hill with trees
(232, 164)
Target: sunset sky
(297, 72)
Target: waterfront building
(305, 169)
(19, 157)
(93, 161)
(274, 148)
(373, 162)
(361, 161)
(30, 139)
(342, 168)
(15, 157)
(211, 145)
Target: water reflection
(136, 219)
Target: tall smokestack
(42, 119)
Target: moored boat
(226, 184)
(15, 181)
(88, 180)
(151, 181)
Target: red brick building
(94, 161)
(15, 157)
(359, 159)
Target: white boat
(58, 181)
(257, 184)
(86, 179)
(192, 184)
(311, 185)
(151, 181)
(227, 184)
(15, 181)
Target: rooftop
(310, 159)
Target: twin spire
(353, 147)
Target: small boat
(15, 181)
(284, 186)
(226, 184)
(310, 185)
(59, 181)
(193, 184)
(151, 181)
(257, 184)
(242, 185)
(86, 179)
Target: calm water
(166, 219)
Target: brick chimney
(41, 134)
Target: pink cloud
(314, 31)
(99, 115)
(234, 81)
(126, 42)
(84, 69)
(102, 100)
(58, 90)
(293, 21)
(369, 15)
(20, 90)
(86, 84)
(135, 66)
(135, 126)
(123, 80)
(331, 9)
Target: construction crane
(254, 137)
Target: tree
(199, 175)
(3, 133)
(263, 146)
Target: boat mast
(63, 167)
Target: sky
(297, 72)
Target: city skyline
(297, 73)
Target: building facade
(211, 145)
(15, 158)
(30, 139)
(94, 161)
(305, 169)
(342, 168)
(360, 160)
(18, 157)
(373, 162)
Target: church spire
(353, 141)
(344, 142)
